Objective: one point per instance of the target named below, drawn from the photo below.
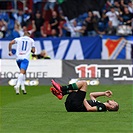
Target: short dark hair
(116, 108)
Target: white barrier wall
(36, 69)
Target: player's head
(43, 53)
(27, 33)
(112, 105)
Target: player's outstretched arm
(10, 47)
(94, 95)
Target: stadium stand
(23, 11)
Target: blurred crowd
(45, 18)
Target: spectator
(16, 31)
(4, 16)
(37, 6)
(73, 28)
(130, 7)
(54, 23)
(113, 16)
(3, 28)
(46, 29)
(54, 33)
(62, 21)
(31, 29)
(102, 21)
(59, 2)
(110, 29)
(126, 23)
(109, 3)
(49, 5)
(117, 6)
(21, 17)
(38, 23)
(91, 24)
(122, 5)
(57, 24)
(126, 17)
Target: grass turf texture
(40, 112)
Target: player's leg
(19, 79)
(23, 85)
(22, 64)
(74, 101)
(80, 85)
(77, 101)
(63, 90)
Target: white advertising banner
(36, 69)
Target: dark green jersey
(100, 106)
(74, 103)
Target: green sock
(70, 87)
(75, 87)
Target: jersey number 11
(24, 45)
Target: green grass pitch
(40, 112)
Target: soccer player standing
(25, 45)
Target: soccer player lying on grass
(76, 101)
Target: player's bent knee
(22, 71)
(84, 83)
(84, 86)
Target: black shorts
(74, 102)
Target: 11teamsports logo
(116, 72)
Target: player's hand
(10, 53)
(108, 93)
